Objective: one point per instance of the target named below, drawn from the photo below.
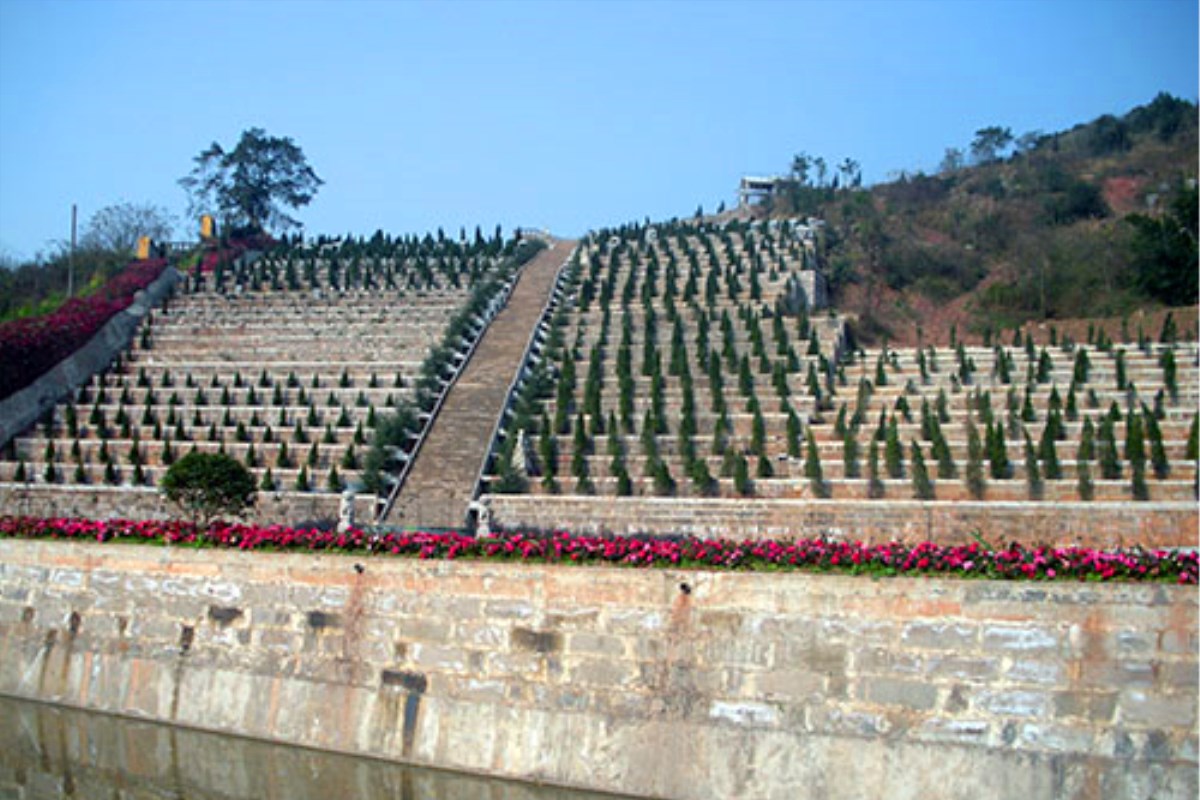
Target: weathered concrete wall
(127, 502)
(48, 751)
(22, 409)
(1106, 525)
(666, 683)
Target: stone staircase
(442, 479)
(284, 365)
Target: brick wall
(1105, 525)
(665, 683)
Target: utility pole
(71, 258)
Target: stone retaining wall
(659, 683)
(1105, 525)
(126, 502)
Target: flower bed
(31, 346)
(811, 555)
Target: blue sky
(562, 115)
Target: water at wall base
(53, 752)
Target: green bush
(205, 486)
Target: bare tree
(116, 228)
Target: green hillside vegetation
(40, 287)
(1096, 221)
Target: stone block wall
(1103, 525)
(127, 502)
(657, 683)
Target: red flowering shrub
(228, 251)
(811, 555)
(31, 346)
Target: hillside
(1097, 221)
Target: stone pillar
(482, 514)
(346, 511)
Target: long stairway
(442, 479)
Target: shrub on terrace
(812, 467)
(205, 486)
(974, 473)
(922, 487)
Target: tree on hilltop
(989, 143)
(252, 184)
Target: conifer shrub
(812, 468)
(1033, 474)
(974, 472)
(893, 455)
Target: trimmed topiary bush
(206, 486)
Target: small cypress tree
(1087, 440)
(946, 468)
(1193, 440)
(943, 407)
(1045, 366)
(839, 425)
(850, 455)
(1000, 366)
(881, 428)
(793, 434)
(1001, 469)
(1047, 453)
(1110, 463)
(283, 459)
(334, 481)
(875, 487)
(928, 421)
(763, 468)
(1027, 412)
(812, 467)
(1033, 475)
(922, 487)
(1083, 366)
(893, 455)
(1158, 451)
(974, 474)
(758, 434)
(1169, 331)
(1135, 453)
(1170, 379)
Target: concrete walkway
(442, 479)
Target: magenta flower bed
(813, 555)
(30, 347)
